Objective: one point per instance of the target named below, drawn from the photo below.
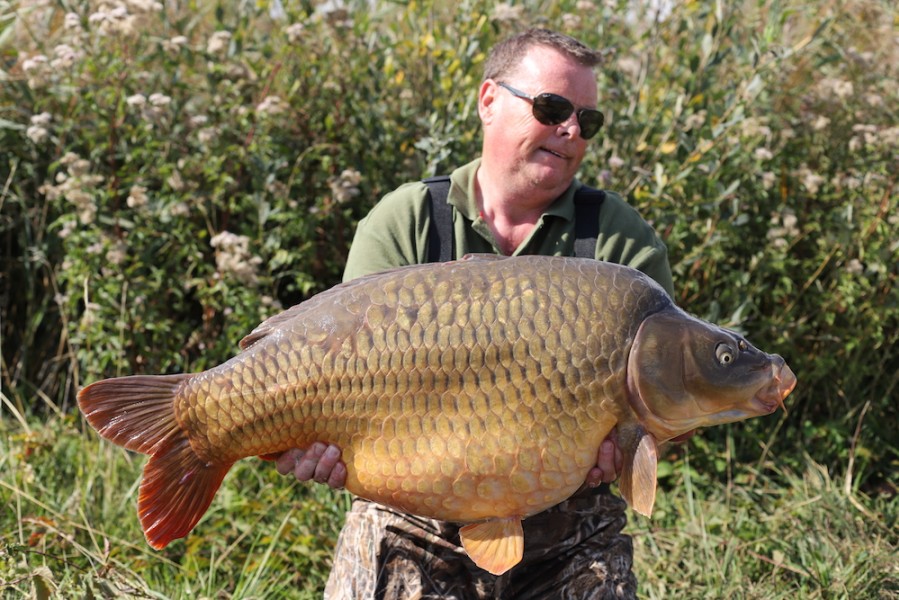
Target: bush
(172, 177)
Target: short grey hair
(506, 55)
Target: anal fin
(496, 545)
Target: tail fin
(138, 413)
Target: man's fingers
(337, 479)
(304, 470)
(326, 463)
(288, 460)
(606, 460)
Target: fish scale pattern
(477, 389)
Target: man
(537, 105)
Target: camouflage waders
(574, 550)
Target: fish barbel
(476, 391)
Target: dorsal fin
(496, 545)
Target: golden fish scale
(463, 393)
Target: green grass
(71, 530)
(771, 535)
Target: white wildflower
(769, 178)
(34, 63)
(855, 267)
(137, 197)
(270, 302)
(41, 119)
(840, 88)
(136, 100)
(571, 21)
(630, 66)
(505, 12)
(790, 220)
(66, 57)
(616, 162)
(158, 99)
(271, 105)
(763, 154)
(37, 70)
(585, 6)
(276, 10)
(755, 127)
(175, 44)
(113, 20)
(117, 254)
(175, 182)
(72, 21)
(67, 229)
(207, 135)
(144, 6)
(232, 256)
(345, 187)
(179, 209)
(811, 180)
(784, 226)
(890, 136)
(218, 42)
(695, 120)
(37, 134)
(79, 167)
(820, 123)
(198, 120)
(875, 100)
(294, 32)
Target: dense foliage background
(173, 173)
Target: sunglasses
(552, 109)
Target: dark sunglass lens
(551, 109)
(590, 122)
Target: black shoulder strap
(440, 234)
(587, 202)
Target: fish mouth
(772, 396)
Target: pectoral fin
(638, 477)
(495, 546)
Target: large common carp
(475, 391)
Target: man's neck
(510, 213)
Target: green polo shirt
(395, 232)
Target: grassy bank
(71, 530)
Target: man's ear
(486, 98)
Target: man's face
(531, 154)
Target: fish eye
(725, 354)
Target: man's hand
(320, 463)
(609, 460)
